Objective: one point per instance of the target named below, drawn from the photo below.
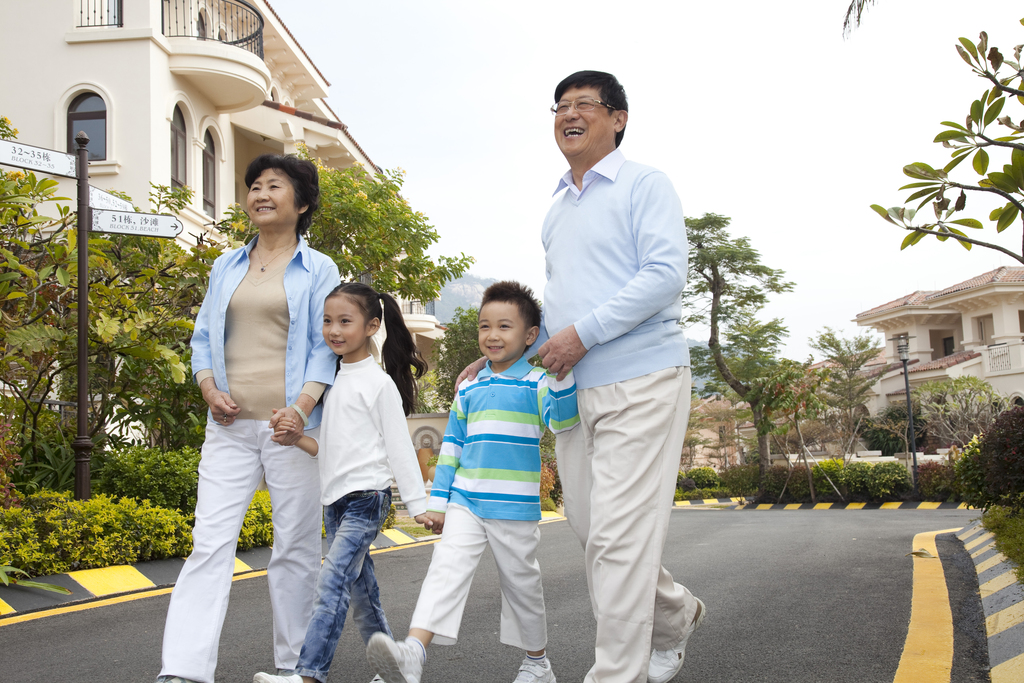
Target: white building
(172, 92)
(971, 328)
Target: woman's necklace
(263, 266)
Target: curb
(158, 576)
(914, 505)
(1002, 600)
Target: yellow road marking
(110, 580)
(929, 506)
(5, 608)
(764, 506)
(978, 541)
(710, 501)
(1004, 619)
(966, 532)
(241, 567)
(792, 506)
(1010, 671)
(891, 506)
(397, 536)
(682, 503)
(856, 506)
(928, 651)
(822, 506)
(550, 514)
(998, 558)
(983, 549)
(997, 584)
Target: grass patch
(410, 527)
(1009, 533)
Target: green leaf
(913, 185)
(969, 223)
(1003, 181)
(1009, 215)
(963, 53)
(921, 193)
(981, 162)
(882, 212)
(16, 295)
(997, 212)
(1017, 159)
(970, 48)
(950, 135)
(957, 158)
(994, 110)
(954, 125)
(909, 240)
(921, 171)
(9, 276)
(977, 111)
(63, 277)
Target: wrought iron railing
(418, 308)
(234, 22)
(999, 358)
(100, 13)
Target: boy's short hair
(511, 292)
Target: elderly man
(616, 253)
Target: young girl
(361, 441)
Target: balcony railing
(233, 22)
(417, 308)
(999, 358)
(100, 13)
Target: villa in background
(174, 92)
(971, 328)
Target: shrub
(835, 470)
(699, 494)
(389, 521)
(1002, 455)
(969, 476)
(856, 477)
(704, 477)
(740, 480)
(167, 479)
(796, 489)
(551, 463)
(888, 479)
(9, 457)
(257, 529)
(1009, 531)
(548, 505)
(547, 482)
(935, 481)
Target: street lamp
(903, 348)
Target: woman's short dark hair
(611, 91)
(305, 182)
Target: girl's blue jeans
(346, 578)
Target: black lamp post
(903, 347)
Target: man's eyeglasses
(583, 104)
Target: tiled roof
(876, 370)
(920, 298)
(946, 361)
(322, 121)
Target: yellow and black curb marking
(1002, 600)
(97, 587)
(857, 506)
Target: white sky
(756, 110)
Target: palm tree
(853, 13)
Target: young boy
(487, 493)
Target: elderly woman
(258, 355)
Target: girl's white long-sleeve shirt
(364, 440)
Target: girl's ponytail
(402, 360)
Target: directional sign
(131, 223)
(38, 159)
(98, 199)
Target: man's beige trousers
(618, 471)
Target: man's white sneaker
(399, 662)
(665, 664)
(272, 678)
(535, 672)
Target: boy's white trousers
(453, 564)
(618, 471)
(235, 458)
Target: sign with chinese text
(131, 223)
(98, 199)
(38, 159)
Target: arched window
(201, 25)
(209, 176)
(179, 149)
(88, 113)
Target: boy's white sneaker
(665, 664)
(273, 678)
(534, 672)
(395, 662)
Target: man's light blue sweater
(616, 259)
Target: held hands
(560, 353)
(431, 520)
(222, 407)
(287, 426)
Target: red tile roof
(946, 361)
(920, 298)
(322, 121)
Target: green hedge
(167, 479)
(704, 477)
(53, 534)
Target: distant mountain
(465, 293)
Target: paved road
(792, 597)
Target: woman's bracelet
(305, 420)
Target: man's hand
(222, 407)
(471, 371)
(431, 520)
(560, 353)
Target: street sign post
(131, 223)
(38, 159)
